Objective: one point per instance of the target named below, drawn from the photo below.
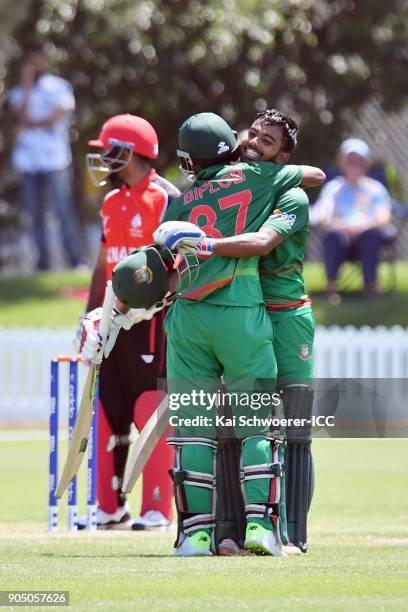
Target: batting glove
(88, 341)
(118, 321)
(179, 236)
(77, 339)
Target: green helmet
(205, 137)
(144, 278)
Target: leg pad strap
(189, 482)
(272, 503)
(173, 441)
(262, 470)
(191, 522)
(262, 510)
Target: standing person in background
(42, 154)
(128, 379)
(354, 209)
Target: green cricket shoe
(195, 545)
(262, 541)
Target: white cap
(355, 145)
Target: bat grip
(107, 307)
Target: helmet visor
(114, 159)
(183, 267)
(186, 166)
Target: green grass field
(358, 557)
(56, 300)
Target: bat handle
(107, 307)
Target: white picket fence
(25, 356)
(366, 352)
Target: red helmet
(120, 137)
(129, 130)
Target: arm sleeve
(63, 95)
(327, 193)
(288, 176)
(291, 213)
(382, 198)
(324, 204)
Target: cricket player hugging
(218, 328)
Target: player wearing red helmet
(121, 136)
(127, 144)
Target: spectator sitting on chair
(41, 154)
(354, 209)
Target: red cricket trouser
(157, 491)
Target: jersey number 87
(242, 200)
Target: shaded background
(320, 60)
(339, 66)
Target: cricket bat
(80, 435)
(145, 445)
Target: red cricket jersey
(131, 214)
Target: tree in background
(320, 60)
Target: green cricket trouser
(293, 338)
(204, 342)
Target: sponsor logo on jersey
(290, 218)
(135, 229)
(136, 221)
(304, 352)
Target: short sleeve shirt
(354, 203)
(131, 214)
(44, 149)
(281, 271)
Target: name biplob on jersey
(235, 176)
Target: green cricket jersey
(226, 201)
(281, 271)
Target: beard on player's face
(263, 142)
